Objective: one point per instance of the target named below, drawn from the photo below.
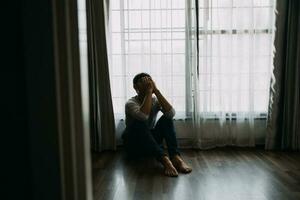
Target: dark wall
(31, 158)
(14, 127)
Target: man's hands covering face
(147, 84)
(154, 86)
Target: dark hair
(139, 76)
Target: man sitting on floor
(142, 137)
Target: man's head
(137, 82)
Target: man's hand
(166, 106)
(147, 90)
(155, 89)
(147, 84)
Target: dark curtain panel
(284, 109)
(101, 109)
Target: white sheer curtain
(147, 36)
(231, 90)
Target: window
(147, 36)
(235, 60)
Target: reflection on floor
(222, 173)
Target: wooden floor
(223, 173)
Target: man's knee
(165, 121)
(139, 125)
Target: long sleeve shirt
(132, 111)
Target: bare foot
(180, 165)
(169, 169)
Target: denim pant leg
(140, 142)
(165, 129)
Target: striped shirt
(132, 111)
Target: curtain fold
(102, 115)
(284, 108)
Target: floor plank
(221, 173)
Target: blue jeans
(141, 141)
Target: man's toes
(174, 172)
(171, 173)
(186, 169)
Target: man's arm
(166, 106)
(147, 102)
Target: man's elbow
(170, 114)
